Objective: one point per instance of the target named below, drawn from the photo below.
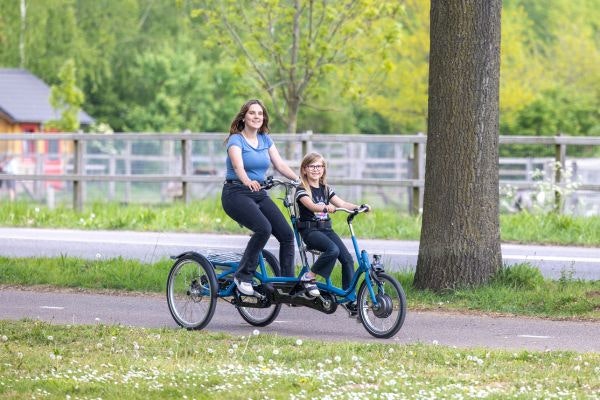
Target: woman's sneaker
(310, 285)
(244, 287)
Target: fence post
(416, 174)
(77, 171)
(306, 143)
(560, 154)
(186, 152)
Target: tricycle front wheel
(384, 318)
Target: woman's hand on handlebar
(254, 186)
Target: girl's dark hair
(237, 125)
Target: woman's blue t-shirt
(256, 160)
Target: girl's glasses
(315, 167)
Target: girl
(315, 201)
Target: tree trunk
(460, 237)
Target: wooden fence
(355, 161)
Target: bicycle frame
(362, 257)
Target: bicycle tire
(263, 316)
(192, 291)
(385, 321)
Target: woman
(250, 152)
(316, 200)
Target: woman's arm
(280, 165)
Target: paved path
(73, 307)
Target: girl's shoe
(310, 284)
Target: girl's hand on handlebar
(331, 208)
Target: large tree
(460, 239)
(289, 45)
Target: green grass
(39, 360)
(519, 290)
(208, 216)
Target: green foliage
(351, 66)
(67, 98)
(292, 45)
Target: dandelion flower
(299, 342)
(256, 332)
(50, 338)
(435, 342)
(275, 351)
(337, 359)
(4, 338)
(98, 256)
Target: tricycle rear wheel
(192, 291)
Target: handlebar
(363, 208)
(272, 182)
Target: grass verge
(208, 216)
(39, 360)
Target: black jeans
(257, 212)
(332, 248)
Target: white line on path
(534, 336)
(52, 308)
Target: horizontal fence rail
(355, 161)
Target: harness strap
(326, 224)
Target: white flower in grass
(98, 256)
(391, 350)
(19, 355)
(52, 356)
(136, 346)
(337, 359)
(98, 345)
(435, 342)
(234, 346)
(275, 351)
(210, 351)
(230, 351)
(37, 210)
(50, 338)
(298, 342)
(260, 359)
(354, 359)
(4, 338)
(577, 368)
(256, 332)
